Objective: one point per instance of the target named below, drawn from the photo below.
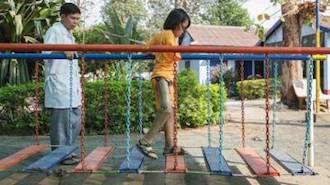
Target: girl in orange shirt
(162, 81)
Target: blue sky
(257, 7)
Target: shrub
(17, 113)
(254, 89)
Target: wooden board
(256, 163)
(215, 161)
(21, 155)
(94, 160)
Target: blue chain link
(128, 108)
(221, 104)
(309, 109)
(275, 74)
(69, 131)
(208, 104)
(140, 108)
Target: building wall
(276, 37)
(308, 39)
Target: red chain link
(242, 103)
(36, 103)
(267, 113)
(82, 132)
(106, 100)
(175, 138)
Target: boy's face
(70, 21)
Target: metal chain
(275, 73)
(267, 113)
(140, 108)
(208, 103)
(106, 104)
(82, 116)
(221, 104)
(242, 103)
(175, 108)
(128, 109)
(36, 103)
(69, 131)
(309, 116)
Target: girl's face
(180, 28)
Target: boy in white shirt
(62, 84)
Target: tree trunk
(291, 70)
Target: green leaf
(19, 25)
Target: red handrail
(142, 48)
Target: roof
(222, 35)
(324, 26)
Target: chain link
(242, 103)
(36, 103)
(175, 104)
(82, 116)
(69, 131)
(309, 116)
(128, 109)
(267, 66)
(275, 74)
(140, 108)
(208, 103)
(221, 103)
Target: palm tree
(23, 21)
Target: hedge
(254, 89)
(17, 113)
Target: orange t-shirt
(164, 61)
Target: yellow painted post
(318, 80)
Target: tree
(198, 10)
(228, 12)
(23, 21)
(112, 31)
(294, 15)
(125, 9)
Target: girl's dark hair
(176, 17)
(69, 8)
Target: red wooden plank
(256, 163)
(94, 160)
(21, 155)
(170, 164)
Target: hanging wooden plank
(256, 163)
(215, 161)
(21, 155)
(290, 164)
(94, 160)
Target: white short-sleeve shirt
(57, 72)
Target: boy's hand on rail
(69, 54)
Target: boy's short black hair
(176, 17)
(69, 8)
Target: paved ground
(289, 138)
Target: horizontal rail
(142, 48)
(99, 56)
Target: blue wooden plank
(290, 164)
(135, 162)
(215, 161)
(51, 159)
